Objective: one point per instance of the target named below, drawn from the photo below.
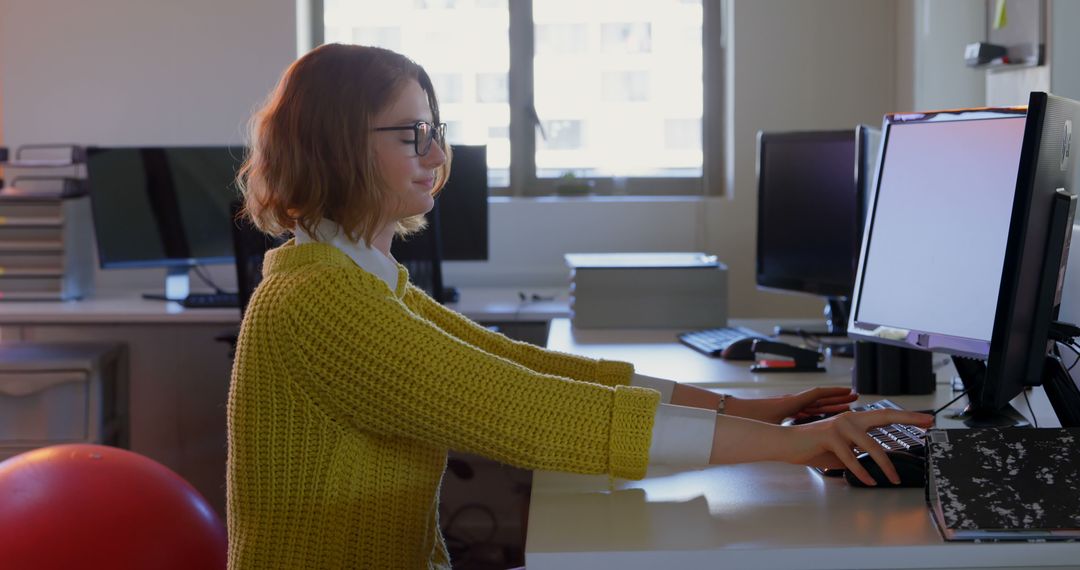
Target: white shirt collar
(369, 259)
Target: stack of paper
(647, 290)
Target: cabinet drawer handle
(24, 384)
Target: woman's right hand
(826, 443)
(829, 443)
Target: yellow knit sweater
(346, 396)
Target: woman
(350, 384)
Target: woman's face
(410, 177)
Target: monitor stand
(450, 294)
(837, 310)
(973, 374)
(836, 317)
(177, 285)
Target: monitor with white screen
(965, 250)
(934, 243)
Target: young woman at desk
(350, 384)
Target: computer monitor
(811, 204)
(163, 207)
(957, 247)
(1035, 261)
(463, 206)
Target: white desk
(765, 515)
(116, 307)
(657, 352)
(179, 373)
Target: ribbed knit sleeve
(378, 366)
(607, 372)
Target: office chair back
(250, 246)
(421, 254)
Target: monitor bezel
(907, 338)
(764, 280)
(167, 262)
(454, 245)
(1021, 342)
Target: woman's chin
(420, 207)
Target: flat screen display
(162, 206)
(935, 244)
(808, 212)
(463, 206)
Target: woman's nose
(435, 157)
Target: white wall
(1064, 48)
(139, 72)
(128, 72)
(793, 65)
(941, 30)
(165, 72)
(790, 65)
(528, 237)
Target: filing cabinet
(53, 393)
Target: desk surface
(481, 304)
(657, 352)
(765, 515)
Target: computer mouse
(742, 349)
(910, 467)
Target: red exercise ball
(91, 506)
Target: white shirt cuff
(682, 436)
(664, 386)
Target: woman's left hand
(812, 402)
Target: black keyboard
(894, 437)
(211, 300)
(713, 341)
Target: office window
(626, 38)
(492, 88)
(449, 88)
(561, 135)
(616, 86)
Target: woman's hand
(814, 401)
(827, 443)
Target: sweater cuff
(632, 418)
(614, 372)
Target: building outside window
(612, 89)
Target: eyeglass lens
(425, 134)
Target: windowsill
(623, 198)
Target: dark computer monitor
(457, 226)
(1035, 261)
(957, 249)
(463, 206)
(811, 204)
(163, 207)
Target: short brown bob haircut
(311, 154)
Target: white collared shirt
(681, 435)
(368, 258)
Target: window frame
(523, 120)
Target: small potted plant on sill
(570, 185)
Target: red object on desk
(777, 363)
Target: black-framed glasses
(423, 134)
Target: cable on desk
(461, 548)
(811, 340)
(1071, 347)
(198, 270)
(525, 300)
(1034, 419)
(938, 411)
